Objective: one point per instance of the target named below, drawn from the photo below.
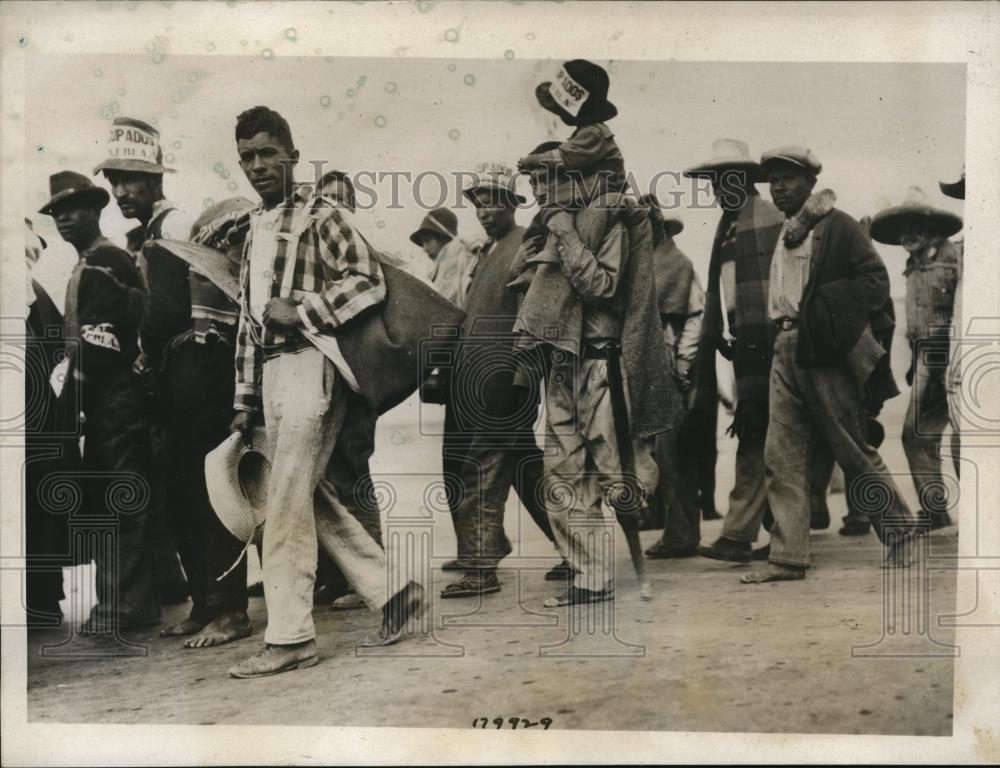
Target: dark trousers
(116, 464)
(354, 449)
(480, 468)
(46, 533)
(679, 456)
(197, 388)
(707, 453)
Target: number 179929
(512, 722)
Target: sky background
(877, 128)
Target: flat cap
(796, 155)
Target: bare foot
(225, 628)
(774, 573)
(187, 627)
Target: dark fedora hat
(440, 222)
(578, 94)
(672, 225)
(954, 189)
(69, 185)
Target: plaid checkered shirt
(320, 262)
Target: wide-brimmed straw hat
(441, 223)
(578, 93)
(915, 212)
(727, 155)
(954, 189)
(237, 476)
(69, 185)
(133, 146)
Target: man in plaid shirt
(304, 267)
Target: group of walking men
(591, 308)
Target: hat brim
(136, 166)
(955, 189)
(228, 483)
(887, 225)
(788, 160)
(219, 267)
(97, 193)
(673, 227)
(598, 113)
(712, 169)
(417, 238)
(472, 194)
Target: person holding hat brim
(828, 296)
(931, 273)
(301, 393)
(103, 304)
(451, 257)
(489, 438)
(956, 189)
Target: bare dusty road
(707, 653)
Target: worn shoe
(710, 514)
(761, 553)
(726, 549)
(819, 522)
(559, 572)
(855, 529)
(349, 602)
(473, 584)
(579, 596)
(660, 551)
(941, 520)
(452, 565)
(277, 658)
(256, 589)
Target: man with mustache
(103, 303)
(134, 169)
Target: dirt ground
(706, 654)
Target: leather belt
(786, 323)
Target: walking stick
(626, 499)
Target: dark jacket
(167, 309)
(846, 307)
(482, 384)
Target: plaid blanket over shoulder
(749, 241)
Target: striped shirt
(789, 273)
(321, 262)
